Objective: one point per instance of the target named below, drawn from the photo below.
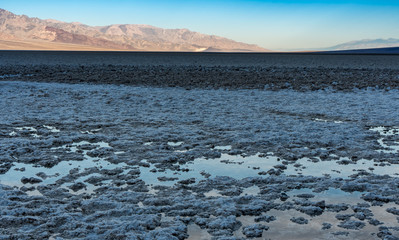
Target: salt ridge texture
(163, 129)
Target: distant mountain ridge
(133, 37)
(367, 44)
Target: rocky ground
(116, 161)
(301, 72)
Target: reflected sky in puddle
(14, 175)
(227, 165)
(283, 228)
(228, 147)
(235, 166)
(196, 233)
(385, 132)
(175, 144)
(335, 170)
(326, 120)
(33, 131)
(331, 196)
(240, 167)
(52, 129)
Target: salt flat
(136, 161)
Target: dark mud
(206, 70)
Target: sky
(275, 25)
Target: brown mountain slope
(132, 37)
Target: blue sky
(276, 25)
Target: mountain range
(23, 32)
(20, 32)
(367, 44)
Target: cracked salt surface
(139, 134)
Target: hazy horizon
(275, 25)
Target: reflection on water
(240, 167)
(51, 175)
(336, 169)
(330, 196)
(386, 132)
(175, 144)
(196, 233)
(228, 147)
(227, 165)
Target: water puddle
(223, 147)
(32, 131)
(91, 132)
(330, 196)
(386, 132)
(196, 233)
(326, 120)
(240, 167)
(213, 193)
(52, 129)
(336, 168)
(175, 144)
(235, 166)
(284, 228)
(254, 190)
(388, 219)
(63, 168)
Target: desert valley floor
(98, 145)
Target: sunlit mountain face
(22, 32)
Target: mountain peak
(139, 37)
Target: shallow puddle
(52, 129)
(227, 165)
(196, 233)
(330, 196)
(51, 175)
(228, 147)
(284, 228)
(335, 169)
(175, 144)
(240, 167)
(387, 131)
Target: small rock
(299, 220)
(326, 226)
(351, 224)
(265, 218)
(77, 186)
(255, 230)
(31, 180)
